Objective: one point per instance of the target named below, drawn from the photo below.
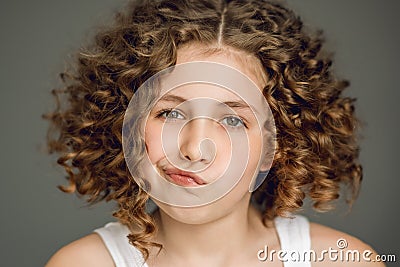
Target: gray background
(38, 36)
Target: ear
(267, 160)
(265, 167)
(268, 152)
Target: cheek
(153, 141)
(255, 155)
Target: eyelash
(241, 121)
(166, 112)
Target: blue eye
(233, 121)
(170, 115)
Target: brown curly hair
(316, 139)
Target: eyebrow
(173, 98)
(237, 104)
(232, 104)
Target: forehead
(209, 97)
(246, 63)
(223, 76)
(201, 90)
(242, 94)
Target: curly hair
(317, 148)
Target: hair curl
(316, 140)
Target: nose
(196, 142)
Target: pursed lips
(183, 178)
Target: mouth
(183, 178)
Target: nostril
(198, 150)
(190, 151)
(208, 150)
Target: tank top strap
(294, 237)
(114, 236)
(293, 233)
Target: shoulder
(87, 251)
(340, 249)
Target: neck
(227, 234)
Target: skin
(231, 226)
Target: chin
(193, 215)
(206, 213)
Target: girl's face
(194, 130)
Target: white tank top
(293, 233)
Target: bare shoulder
(87, 251)
(340, 249)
